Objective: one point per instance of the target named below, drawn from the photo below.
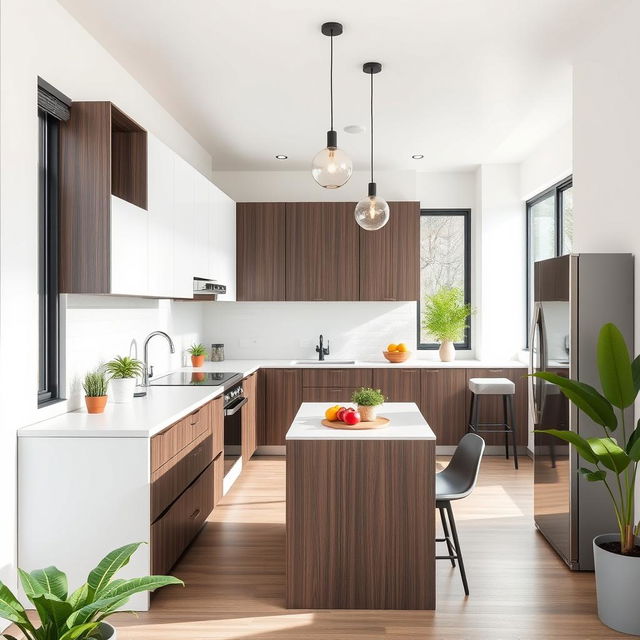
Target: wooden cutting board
(378, 423)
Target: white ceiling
(464, 81)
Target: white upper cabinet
(184, 228)
(200, 248)
(161, 167)
(129, 264)
(222, 241)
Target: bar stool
(494, 387)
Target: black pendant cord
(331, 81)
(372, 127)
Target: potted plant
(198, 353)
(368, 400)
(123, 372)
(79, 615)
(445, 318)
(613, 460)
(95, 391)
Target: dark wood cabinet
(249, 422)
(281, 396)
(442, 403)
(260, 250)
(491, 409)
(334, 386)
(552, 280)
(390, 257)
(322, 246)
(398, 385)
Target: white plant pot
(447, 351)
(617, 587)
(107, 632)
(368, 413)
(122, 389)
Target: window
(52, 106)
(549, 230)
(445, 251)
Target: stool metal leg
(471, 413)
(456, 544)
(505, 410)
(447, 537)
(514, 431)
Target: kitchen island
(361, 512)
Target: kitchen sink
(325, 362)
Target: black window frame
(557, 190)
(466, 215)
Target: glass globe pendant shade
(372, 212)
(331, 167)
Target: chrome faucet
(322, 351)
(148, 371)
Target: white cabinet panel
(222, 241)
(161, 165)
(129, 263)
(200, 250)
(184, 228)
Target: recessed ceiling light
(281, 157)
(417, 156)
(354, 128)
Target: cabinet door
(398, 385)
(491, 409)
(442, 403)
(249, 423)
(161, 203)
(183, 228)
(129, 265)
(281, 399)
(222, 241)
(333, 395)
(199, 258)
(216, 415)
(260, 243)
(322, 245)
(390, 257)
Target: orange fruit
(402, 347)
(392, 347)
(332, 412)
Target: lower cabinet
(249, 416)
(398, 385)
(281, 396)
(442, 403)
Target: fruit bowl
(397, 356)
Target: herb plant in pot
(612, 460)
(95, 391)
(79, 615)
(445, 318)
(198, 353)
(123, 371)
(368, 401)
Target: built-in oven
(234, 400)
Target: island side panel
(361, 524)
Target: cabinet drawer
(170, 480)
(345, 378)
(171, 534)
(337, 395)
(398, 385)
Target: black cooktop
(224, 379)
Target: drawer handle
(389, 299)
(195, 514)
(496, 370)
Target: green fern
(445, 314)
(197, 350)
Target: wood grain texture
(443, 403)
(552, 280)
(390, 257)
(260, 251)
(360, 524)
(322, 245)
(491, 409)
(398, 385)
(218, 478)
(336, 377)
(249, 415)
(85, 195)
(216, 408)
(281, 397)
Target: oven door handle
(235, 407)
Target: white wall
(39, 38)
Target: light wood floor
(235, 577)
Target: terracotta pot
(95, 404)
(447, 351)
(367, 414)
(197, 361)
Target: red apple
(340, 414)
(351, 417)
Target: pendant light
(331, 167)
(372, 212)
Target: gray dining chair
(455, 482)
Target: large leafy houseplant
(75, 616)
(613, 457)
(445, 315)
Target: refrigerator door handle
(535, 388)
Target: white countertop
(140, 418)
(407, 423)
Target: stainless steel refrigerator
(573, 296)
